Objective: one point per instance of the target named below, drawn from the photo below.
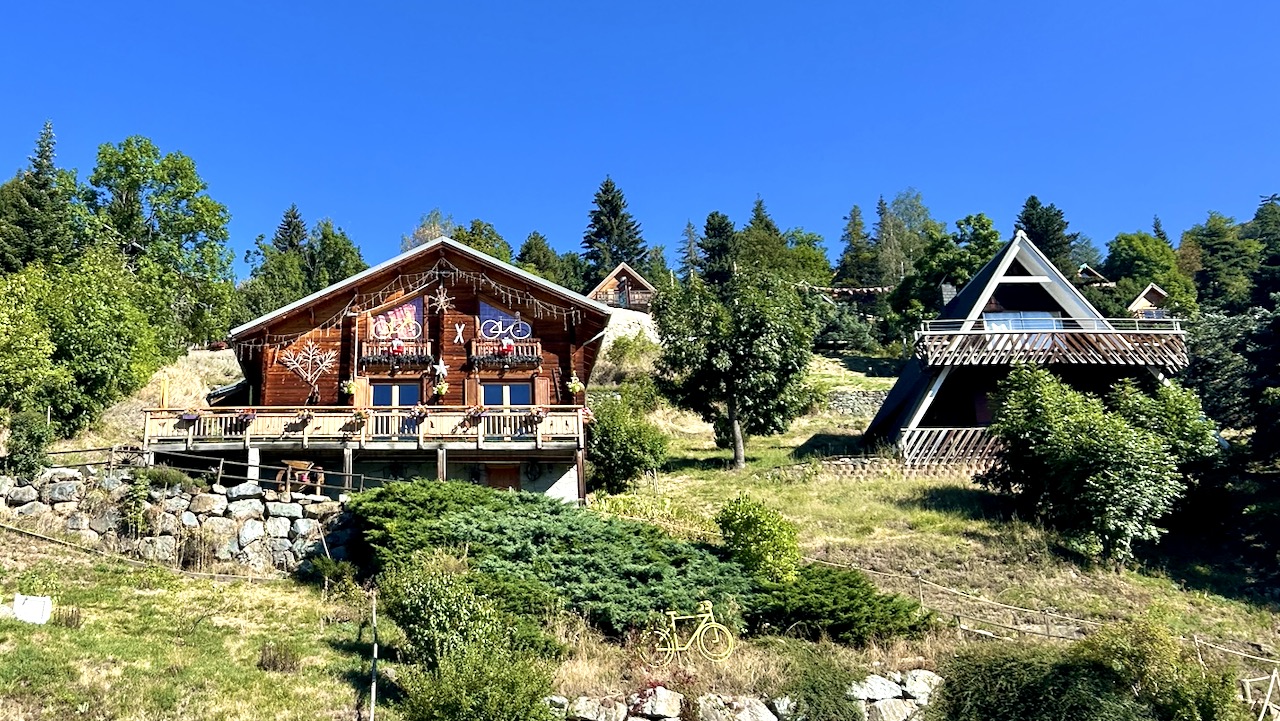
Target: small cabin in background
(1150, 303)
(441, 362)
(624, 287)
(1019, 308)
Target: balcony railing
(383, 354)
(523, 354)
(1157, 342)
(974, 446)
(494, 427)
(632, 299)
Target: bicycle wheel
(521, 330)
(715, 641)
(656, 649)
(490, 329)
(410, 330)
(380, 329)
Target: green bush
(163, 477)
(641, 393)
(280, 657)
(438, 611)
(819, 684)
(478, 684)
(760, 539)
(835, 603)
(614, 572)
(1130, 671)
(622, 445)
(29, 436)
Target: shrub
(29, 436)
(836, 603)
(819, 684)
(164, 477)
(1175, 415)
(478, 684)
(438, 612)
(280, 657)
(760, 539)
(67, 617)
(622, 445)
(133, 506)
(641, 393)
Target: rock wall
(248, 524)
(859, 404)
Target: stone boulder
(57, 475)
(177, 504)
(559, 705)
(920, 684)
(66, 508)
(86, 537)
(23, 494)
(891, 709)
(256, 555)
(7, 484)
(161, 549)
(222, 532)
(278, 527)
(167, 524)
(323, 509)
(243, 491)
(34, 508)
(713, 707)
(655, 703)
(874, 688)
(189, 520)
(284, 510)
(77, 522)
(247, 508)
(585, 708)
(305, 528)
(106, 520)
(784, 707)
(251, 531)
(210, 503)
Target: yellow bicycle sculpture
(714, 640)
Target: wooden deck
(974, 447)
(1159, 343)
(506, 427)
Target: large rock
(86, 537)
(106, 520)
(222, 532)
(168, 524)
(189, 520)
(244, 490)
(251, 531)
(210, 503)
(77, 522)
(278, 527)
(874, 688)
(23, 494)
(559, 705)
(784, 707)
(66, 508)
(284, 510)
(161, 549)
(57, 475)
(256, 555)
(6, 484)
(323, 509)
(248, 508)
(34, 508)
(920, 684)
(305, 528)
(585, 708)
(111, 481)
(177, 504)
(713, 707)
(281, 552)
(655, 703)
(306, 547)
(892, 709)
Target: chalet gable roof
(386, 265)
(1152, 294)
(632, 271)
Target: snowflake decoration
(441, 301)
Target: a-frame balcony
(1158, 342)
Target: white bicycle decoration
(494, 328)
(407, 329)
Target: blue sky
(374, 113)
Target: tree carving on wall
(310, 363)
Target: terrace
(1157, 342)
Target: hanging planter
(574, 385)
(348, 387)
(440, 388)
(305, 417)
(190, 414)
(475, 413)
(588, 416)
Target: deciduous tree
(1227, 263)
(485, 238)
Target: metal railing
(1051, 325)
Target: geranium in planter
(474, 413)
(305, 416)
(440, 388)
(348, 387)
(588, 416)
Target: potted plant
(539, 414)
(190, 414)
(574, 385)
(305, 416)
(348, 387)
(474, 413)
(247, 415)
(440, 388)
(360, 416)
(421, 411)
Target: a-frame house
(624, 287)
(1019, 308)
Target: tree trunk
(735, 427)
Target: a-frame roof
(631, 271)
(1033, 266)
(1153, 294)
(408, 255)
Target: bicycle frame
(706, 619)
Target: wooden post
(442, 464)
(221, 464)
(373, 682)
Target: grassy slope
(155, 645)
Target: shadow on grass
(680, 465)
(872, 366)
(828, 444)
(972, 503)
(389, 693)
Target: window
(506, 394)
(396, 394)
(1023, 320)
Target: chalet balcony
(975, 447)
(411, 355)
(452, 427)
(1157, 342)
(490, 354)
(634, 300)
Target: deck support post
(442, 464)
(253, 460)
(348, 461)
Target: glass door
(390, 396)
(507, 412)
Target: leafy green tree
(690, 252)
(1142, 259)
(1227, 263)
(574, 271)
(434, 224)
(760, 538)
(1175, 414)
(903, 229)
(294, 264)
(949, 258)
(485, 238)
(1104, 483)
(157, 206)
(1265, 228)
(1219, 371)
(330, 256)
(1046, 227)
(612, 235)
(721, 247)
(29, 438)
(28, 373)
(857, 265)
(537, 257)
(737, 358)
(1262, 349)
(622, 445)
(807, 257)
(35, 211)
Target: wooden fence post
(373, 681)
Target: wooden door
(505, 477)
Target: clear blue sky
(373, 113)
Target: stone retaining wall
(248, 524)
(859, 404)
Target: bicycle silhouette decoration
(406, 329)
(712, 639)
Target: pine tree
(1227, 263)
(1157, 229)
(1046, 226)
(537, 257)
(720, 247)
(1265, 228)
(291, 234)
(35, 211)
(573, 272)
(612, 236)
(892, 262)
(690, 255)
(654, 268)
(857, 266)
(330, 256)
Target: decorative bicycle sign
(405, 329)
(712, 639)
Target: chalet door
(504, 477)
(507, 410)
(506, 394)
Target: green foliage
(438, 611)
(834, 603)
(29, 437)
(1101, 481)
(632, 353)
(163, 477)
(622, 445)
(537, 257)
(1265, 228)
(1220, 372)
(760, 539)
(616, 573)
(1175, 415)
(819, 685)
(1141, 259)
(478, 684)
(485, 238)
(133, 507)
(1046, 227)
(846, 328)
(295, 264)
(946, 258)
(720, 249)
(36, 223)
(1227, 263)
(612, 235)
(690, 253)
(857, 265)
(1128, 671)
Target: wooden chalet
(441, 362)
(624, 287)
(1150, 303)
(1018, 309)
